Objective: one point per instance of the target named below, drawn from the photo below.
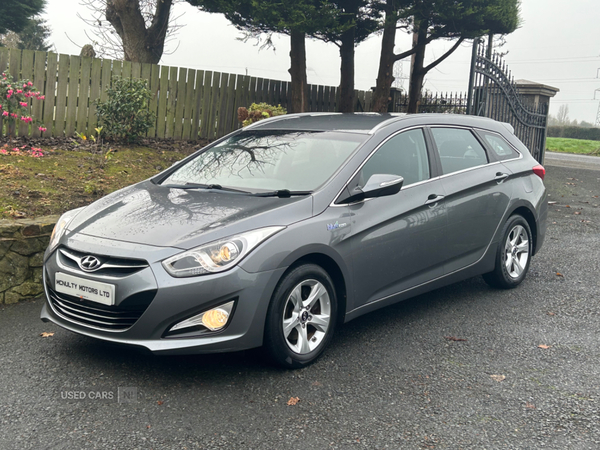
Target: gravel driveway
(462, 367)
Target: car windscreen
(258, 161)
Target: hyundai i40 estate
(277, 233)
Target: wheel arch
(328, 264)
(525, 212)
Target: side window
(501, 148)
(458, 149)
(404, 155)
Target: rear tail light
(540, 171)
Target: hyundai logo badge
(89, 263)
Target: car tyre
(513, 255)
(301, 317)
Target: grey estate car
(277, 233)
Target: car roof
(368, 123)
(353, 122)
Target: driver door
(397, 241)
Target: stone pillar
(395, 98)
(537, 95)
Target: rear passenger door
(477, 194)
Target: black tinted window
(458, 149)
(501, 148)
(404, 155)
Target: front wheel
(301, 317)
(513, 255)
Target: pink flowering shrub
(15, 103)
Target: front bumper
(174, 299)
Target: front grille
(115, 318)
(116, 267)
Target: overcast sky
(558, 44)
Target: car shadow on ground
(350, 339)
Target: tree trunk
(299, 85)
(417, 73)
(347, 71)
(140, 44)
(11, 129)
(385, 76)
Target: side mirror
(379, 185)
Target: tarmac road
(572, 160)
(458, 368)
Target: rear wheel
(513, 255)
(301, 317)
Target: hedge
(591, 134)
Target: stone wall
(22, 246)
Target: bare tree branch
(134, 30)
(444, 56)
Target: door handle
(501, 176)
(433, 198)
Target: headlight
(61, 226)
(217, 256)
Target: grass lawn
(65, 179)
(565, 145)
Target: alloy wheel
(517, 251)
(306, 316)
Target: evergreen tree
(34, 36)
(429, 20)
(343, 22)
(15, 14)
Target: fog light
(214, 319)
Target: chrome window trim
(419, 183)
(468, 169)
(421, 127)
(513, 159)
(462, 127)
(504, 139)
(395, 118)
(484, 149)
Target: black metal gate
(494, 94)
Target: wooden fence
(188, 103)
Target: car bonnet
(151, 214)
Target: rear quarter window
(458, 149)
(501, 148)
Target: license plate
(85, 289)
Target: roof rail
(277, 118)
(395, 118)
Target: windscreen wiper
(282, 193)
(204, 186)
